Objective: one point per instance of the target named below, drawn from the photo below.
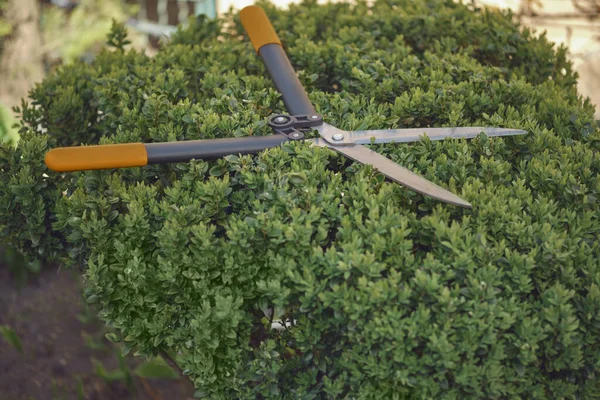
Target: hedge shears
(302, 118)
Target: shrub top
(391, 295)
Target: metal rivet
(338, 136)
(280, 120)
(295, 135)
(315, 117)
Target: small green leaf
(118, 374)
(217, 170)
(112, 337)
(297, 179)
(11, 337)
(156, 368)
(80, 390)
(125, 350)
(92, 342)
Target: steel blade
(416, 134)
(410, 134)
(396, 172)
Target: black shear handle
(170, 152)
(127, 155)
(268, 46)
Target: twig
(169, 360)
(149, 390)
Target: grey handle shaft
(286, 81)
(169, 152)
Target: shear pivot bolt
(338, 137)
(280, 120)
(315, 117)
(295, 135)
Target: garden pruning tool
(301, 119)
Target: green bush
(392, 295)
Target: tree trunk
(21, 62)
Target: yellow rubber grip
(258, 27)
(68, 159)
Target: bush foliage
(390, 294)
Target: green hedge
(393, 295)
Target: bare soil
(60, 338)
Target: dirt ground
(59, 338)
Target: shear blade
(395, 172)
(416, 134)
(337, 136)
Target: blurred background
(37, 35)
(51, 345)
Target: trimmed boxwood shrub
(388, 294)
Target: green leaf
(297, 179)
(217, 170)
(112, 337)
(155, 368)
(118, 374)
(11, 337)
(80, 389)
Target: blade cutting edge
(416, 134)
(396, 172)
